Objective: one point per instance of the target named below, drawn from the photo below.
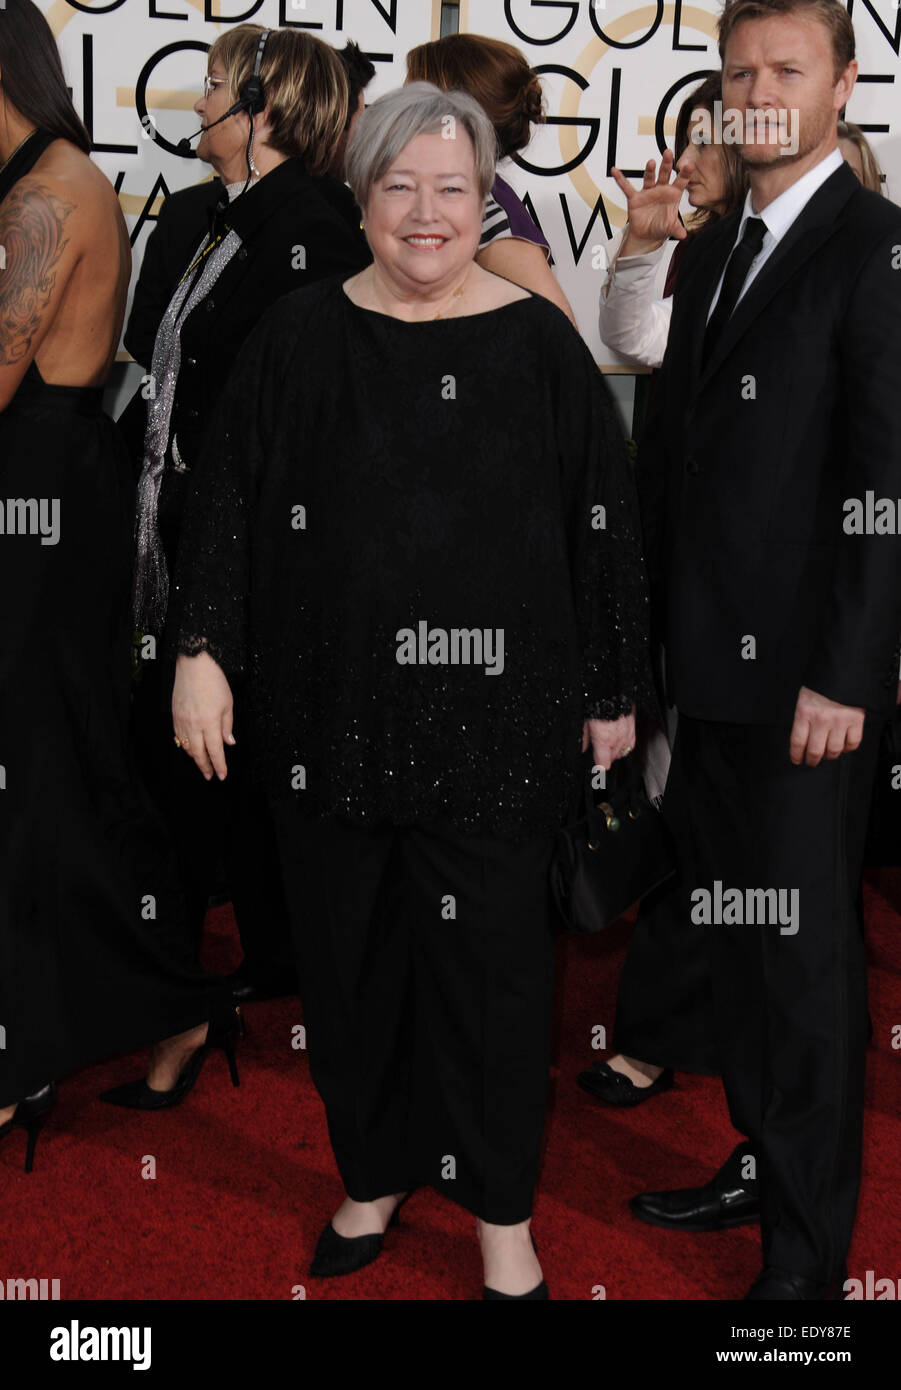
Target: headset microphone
(184, 146)
(251, 99)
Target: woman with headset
(273, 112)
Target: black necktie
(736, 273)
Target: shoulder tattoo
(32, 241)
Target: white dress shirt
(633, 316)
(778, 216)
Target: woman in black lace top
(414, 534)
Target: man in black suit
(776, 408)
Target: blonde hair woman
(279, 222)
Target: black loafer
(614, 1088)
(780, 1284)
(698, 1208)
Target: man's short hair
(829, 12)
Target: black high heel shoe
(540, 1291)
(30, 1115)
(137, 1095)
(343, 1254)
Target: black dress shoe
(247, 989)
(779, 1284)
(337, 1254)
(539, 1291)
(30, 1115)
(616, 1089)
(137, 1095)
(709, 1208)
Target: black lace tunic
(372, 490)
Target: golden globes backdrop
(614, 75)
(136, 68)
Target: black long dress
(94, 958)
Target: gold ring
(177, 741)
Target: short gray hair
(389, 124)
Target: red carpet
(245, 1178)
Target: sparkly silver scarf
(151, 583)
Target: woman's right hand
(202, 712)
(653, 209)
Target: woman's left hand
(609, 738)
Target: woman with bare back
(93, 954)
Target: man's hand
(610, 738)
(823, 727)
(653, 209)
(202, 712)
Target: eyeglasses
(210, 83)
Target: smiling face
(424, 216)
(701, 162)
(785, 66)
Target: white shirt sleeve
(633, 315)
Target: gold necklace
(457, 294)
(18, 147)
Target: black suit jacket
(745, 465)
(183, 222)
(295, 228)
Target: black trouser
(222, 832)
(426, 963)
(790, 1010)
(664, 1005)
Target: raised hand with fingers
(653, 209)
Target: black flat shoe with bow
(137, 1095)
(614, 1088)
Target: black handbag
(617, 851)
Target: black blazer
(745, 465)
(183, 222)
(295, 228)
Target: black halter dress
(94, 955)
